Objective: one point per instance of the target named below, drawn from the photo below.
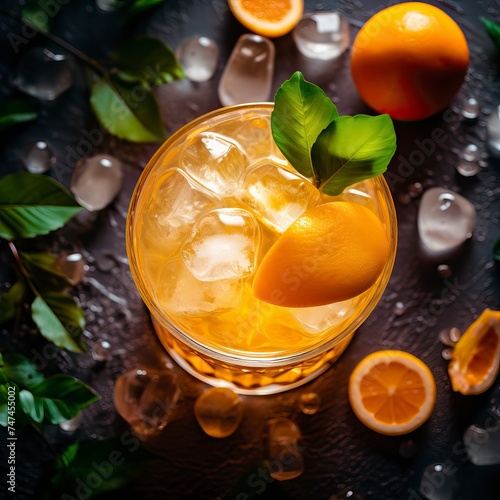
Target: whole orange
(409, 60)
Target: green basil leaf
(16, 412)
(301, 111)
(493, 30)
(59, 320)
(32, 204)
(147, 60)
(11, 300)
(62, 397)
(42, 270)
(69, 454)
(16, 111)
(40, 17)
(352, 149)
(1, 360)
(31, 406)
(127, 110)
(496, 250)
(20, 370)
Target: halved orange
(270, 18)
(332, 252)
(475, 360)
(392, 392)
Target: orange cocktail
(209, 205)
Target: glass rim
(255, 360)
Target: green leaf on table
(69, 454)
(43, 272)
(301, 111)
(6, 411)
(493, 30)
(14, 111)
(31, 205)
(496, 250)
(56, 399)
(38, 15)
(59, 320)
(147, 60)
(11, 300)
(20, 370)
(351, 149)
(134, 7)
(127, 110)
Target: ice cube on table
(179, 292)
(284, 449)
(96, 180)
(445, 219)
(214, 161)
(172, 208)
(224, 245)
(439, 482)
(44, 74)
(493, 132)
(248, 74)
(198, 56)
(323, 35)
(483, 444)
(277, 195)
(38, 157)
(146, 399)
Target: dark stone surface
(339, 452)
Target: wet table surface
(340, 454)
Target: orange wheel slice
(270, 18)
(392, 392)
(475, 360)
(332, 252)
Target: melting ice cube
(171, 211)
(276, 195)
(179, 292)
(224, 245)
(322, 35)
(215, 161)
(198, 56)
(445, 219)
(483, 444)
(249, 71)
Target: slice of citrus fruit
(475, 360)
(392, 392)
(270, 18)
(332, 252)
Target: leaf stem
(57, 40)
(20, 264)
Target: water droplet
(445, 338)
(44, 74)
(399, 308)
(38, 157)
(346, 494)
(408, 448)
(309, 403)
(146, 399)
(72, 424)
(470, 108)
(96, 181)
(104, 261)
(445, 220)
(493, 132)
(468, 164)
(483, 444)
(285, 456)
(439, 482)
(446, 353)
(248, 74)
(218, 411)
(455, 334)
(322, 36)
(73, 266)
(100, 351)
(415, 189)
(444, 271)
(198, 56)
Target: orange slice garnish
(392, 392)
(475, 360)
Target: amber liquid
(207, 209)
